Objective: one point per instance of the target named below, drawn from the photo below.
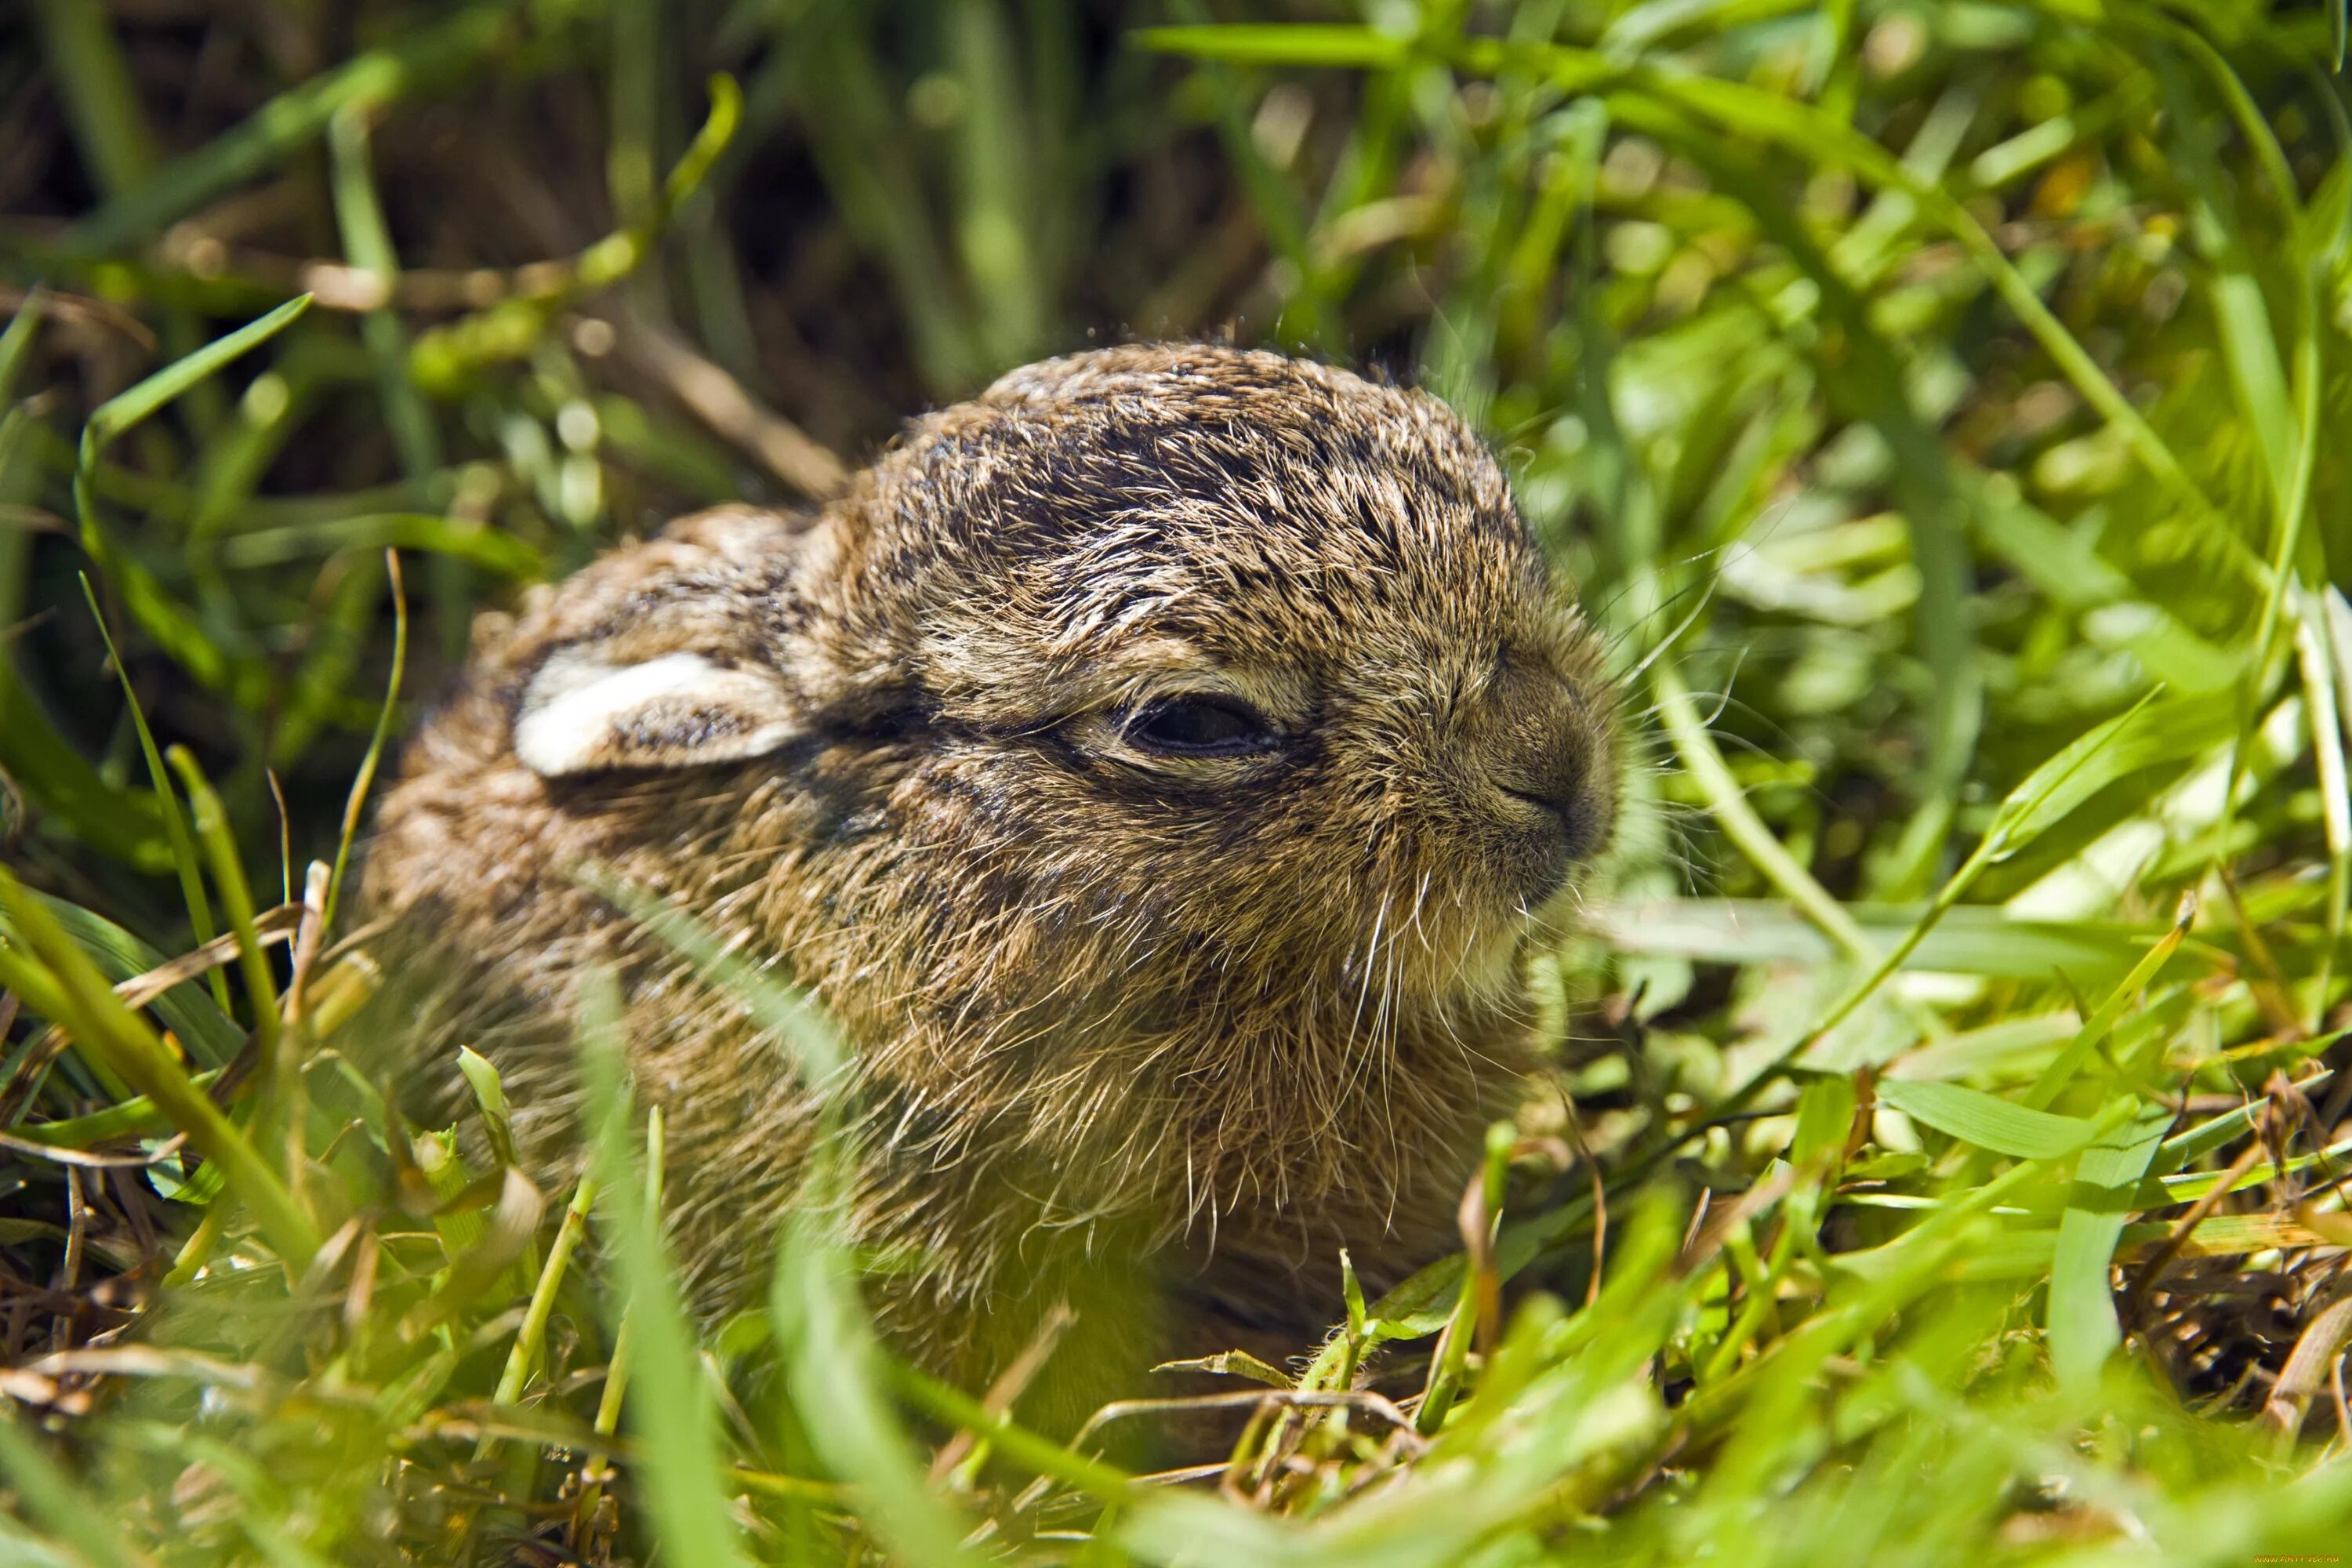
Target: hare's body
(1151, 765)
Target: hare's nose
(1541, 759)
(1563, 793)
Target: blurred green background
(1944, 407)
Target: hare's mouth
(1567, 832)
(1551, 835)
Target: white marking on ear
(581, 714)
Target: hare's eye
(1199, 726)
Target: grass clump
(1941, 405)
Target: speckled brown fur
(1150, 1032)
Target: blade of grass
(1971, 938)
(56, 979)
(464, 42)
(834, 1372)
(797, 1021)
(490, 1098)
(1728, 804)
(1866, 381)
(857, 137)
(176, 826)
(17, 342)
(1308, 317)
(1023, 1447)
(996, 193)
(56, 1498)
(446, 358)
(1281, 44)
(49, 770)
(1987, 1121)
(172, 625)
(1448, 1366)
(451, 538)
(632, 164)
(530, 1349)
(124, 410)
(672, 1412)
(2326, 669)
(2083, 1330)
(2099, 1025)
(2284, 418)
(202, 1027)
(2078, 772)
(212, 830)
(367, 245)
(100, 99)
(618, 1365)
(355, 803)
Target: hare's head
(1178, 651)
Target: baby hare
(1154, 765)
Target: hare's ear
(583, 714)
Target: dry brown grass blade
(309, 931)
(1233, 1363)
(722, 403)
(72, 1159)
(1478, 1234)
(2314, 1352)
(148, 1360)
(1008, 1386)
(1705, 1241)
(1581, 1149)
(2136, 1299)
(271, 926)
(1276, 1398)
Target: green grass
(1944, 407)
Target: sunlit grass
(1943, 408)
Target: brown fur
(1129, 1028)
